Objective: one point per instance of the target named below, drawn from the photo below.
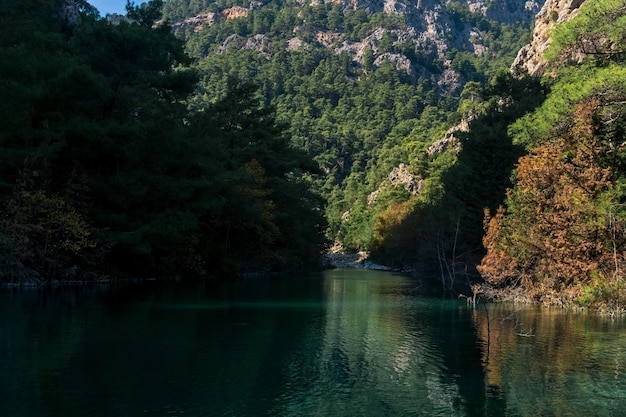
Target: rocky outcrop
(233, 41)
(450, 139)
(431, 31)
(357, 49)
(234, 13)
(295, 44)
(352, 260)
(197, 23)
(399, 176)
(257, 42)
(443, 144)
(69, 11)
(530, 58)
(327, 39)
(401, 62)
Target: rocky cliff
(530, 58)
(433, 28)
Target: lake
(337, 343)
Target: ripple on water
(552, 362)
(353, 343)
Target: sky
(111, 6)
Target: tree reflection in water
(543, 361)
(377, 354)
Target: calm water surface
(341, 343)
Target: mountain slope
(362, 86)
(421, 32)
(560, 238)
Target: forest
(362, 119)
(106, 172)
(138, 145)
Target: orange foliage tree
(558, 238)
(42, 237)
(393, 233)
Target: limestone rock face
(198, 22)
(431, 30)
(530, 58)
(234, 12)
(256, 42)
(399, 176)
(401, 62)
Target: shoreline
(353, 260)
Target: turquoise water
(341, 343)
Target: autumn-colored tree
(392, 234)
(497, 267)
(42, 237)
(558, 235)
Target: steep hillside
(421, 39)
(363, 88)
(530, 58)
(560, 238)
(122, 154)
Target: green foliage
(127, 177)
(146, 14)
(574, 84)
(356, 121)
(445, 222)
(563, 224)
(598, 32)
(180, 177)
(41, 236)
(269, 217)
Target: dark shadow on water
(340, 343)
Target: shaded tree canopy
(104, 169)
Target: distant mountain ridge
(433, 29)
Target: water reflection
(346, 343)
(376, 354)
(550, 362)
